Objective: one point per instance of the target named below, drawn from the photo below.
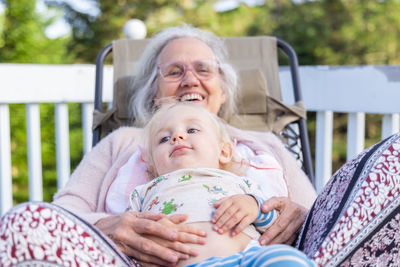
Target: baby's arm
(239, 211)
(236, 212)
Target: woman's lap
(43, 234)
(355, 220)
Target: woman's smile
(188, 96)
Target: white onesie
(194, 191)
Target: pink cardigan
(86, 190)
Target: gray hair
(145, 84)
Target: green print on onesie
(170, 207)
(185, 177)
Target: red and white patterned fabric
(42, 234)
(355, 221)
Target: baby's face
(185, 137)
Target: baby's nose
(177, 137)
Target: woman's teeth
(191, 97)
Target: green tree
(338, 32)
(331, 32)
(24, 39)
(91, 33)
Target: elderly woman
(97, 191)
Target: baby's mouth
(191, 97)
(178, 150)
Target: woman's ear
(223, 97)
(226, 153)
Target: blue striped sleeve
(264, 220)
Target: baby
(189, 151)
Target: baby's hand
(237, 212)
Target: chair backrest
(260, 104)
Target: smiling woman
(190, 81)
(95, 199)
(99, 189)
(189, 46)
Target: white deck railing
(352, 90)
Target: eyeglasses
(175, 71)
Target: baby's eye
(192, 130)
(165, 139)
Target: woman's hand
(290, 219)
(186, 234)
(130, 230)
(236, 211)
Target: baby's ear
(143, 154)
(226, 153)
(144, 158)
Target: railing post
(6, 198)
(323, 149)
(355, 134)
(62, 144)
(34, 152)
(390, 124)
(87, 119)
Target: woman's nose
(190, 79)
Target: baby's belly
(217, 244)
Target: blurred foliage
(23, 36)
(331, 32)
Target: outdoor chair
(260, 107)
